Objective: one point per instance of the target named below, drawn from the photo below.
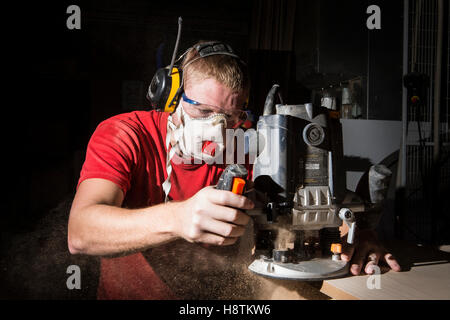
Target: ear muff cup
(159, 88)
(163, 89)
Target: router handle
(349, 218)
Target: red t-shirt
(129, 150)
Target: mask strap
(170, 153)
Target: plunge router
(301, 197)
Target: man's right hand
(212, 216)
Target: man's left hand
(367, 252)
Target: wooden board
(425, 276)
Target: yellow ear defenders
(167, 84)
(163, 90)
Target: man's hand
(367, 251)
(212, 216)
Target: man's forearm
(107, 230)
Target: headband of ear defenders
(212, 48)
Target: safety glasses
(234, 119)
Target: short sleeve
(112, 153)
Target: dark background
(62, 83)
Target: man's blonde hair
(227, 70)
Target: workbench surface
(425, 275)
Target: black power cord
(417, 84)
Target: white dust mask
(200, 138)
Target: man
(119, 206)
